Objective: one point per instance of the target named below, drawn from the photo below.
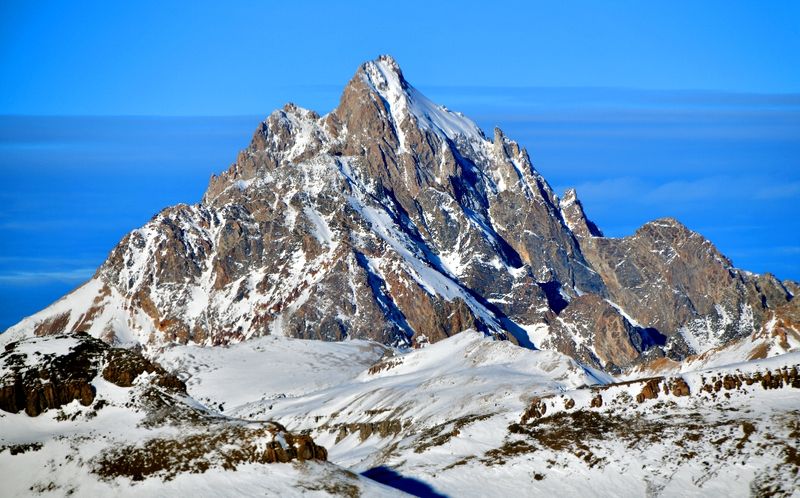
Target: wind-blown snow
(405, 101)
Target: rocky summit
(397, 220)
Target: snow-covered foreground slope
(466, 377)
(313, 377)
(466, 416)
(268, 368)
(451, 416)
(135, 437)
(35, 474)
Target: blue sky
(111, 111)
(165, 57)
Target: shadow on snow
(391, 478)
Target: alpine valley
(385, 300)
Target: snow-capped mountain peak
(395, 219)
(406, 102)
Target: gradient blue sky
(188, 58)
(688, 109)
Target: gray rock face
(395, 219)
(672, 279)
(575, 217)
(594, 332)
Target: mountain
(395, 219)
(384, 294)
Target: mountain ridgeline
(395, 219)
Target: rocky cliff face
(596, 333)
(575, 217)
(677, 282)
(394, 219)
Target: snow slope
(268, 368)
(444, 415)
(85, 450)
(466, 416)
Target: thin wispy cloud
(45, 277)
(781, 191)
(707, 189)
(43, 261)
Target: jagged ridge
(394, 219)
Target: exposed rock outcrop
(575, 217)
(671, 279)
(42, 374)
(224, 446)
(593, 331)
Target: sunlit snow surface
(268, 368)
(473, 388)
(437, 415)
(57, 451)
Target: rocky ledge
(47, 373)
(638, 391)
